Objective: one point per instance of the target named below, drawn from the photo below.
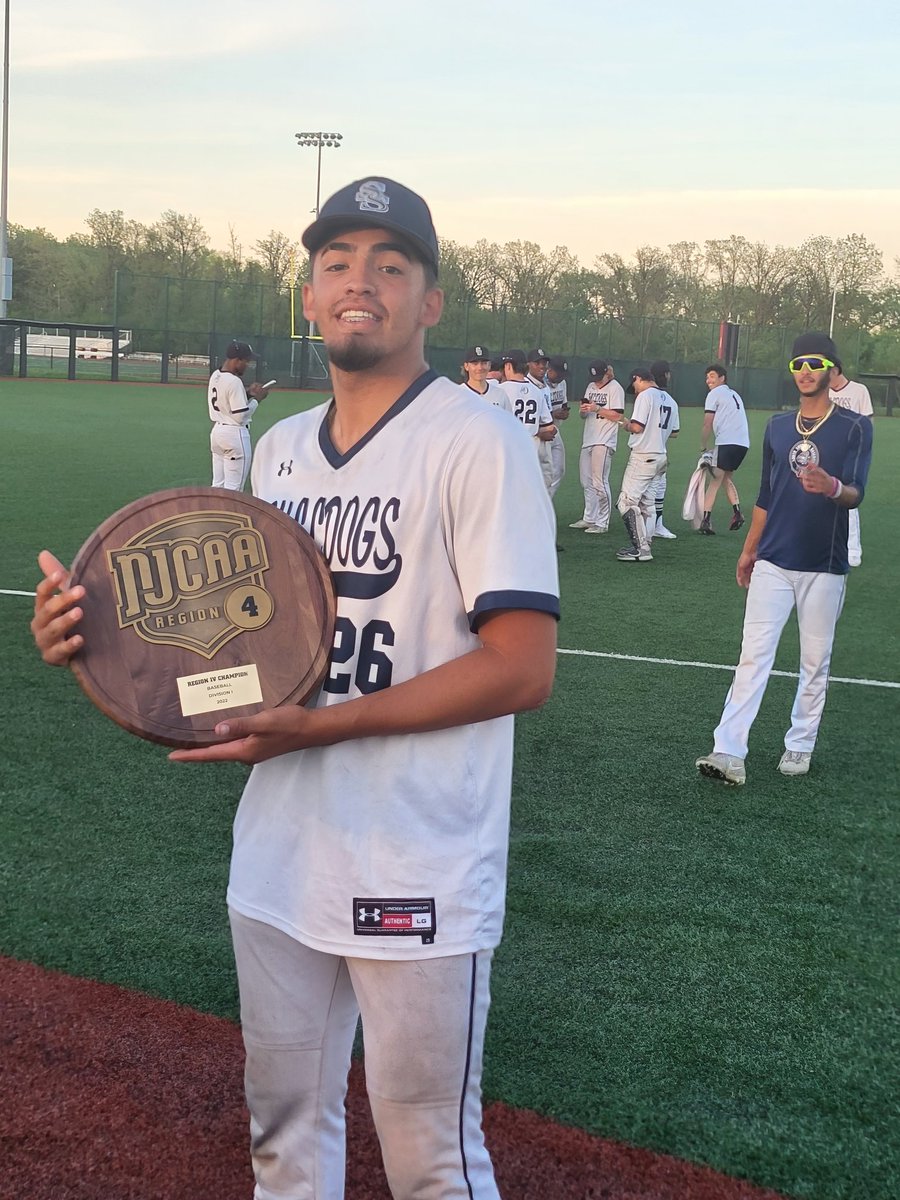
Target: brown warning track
(107, 1094)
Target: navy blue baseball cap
(240, 350)
(516, 359)
(376, 203)
(814, 343)
(598, 368)
(477, 354)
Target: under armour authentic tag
(395, 918)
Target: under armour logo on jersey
(285, 468)
(369, 916)
(372, 197)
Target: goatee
(353, 356)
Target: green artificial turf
(696, 969)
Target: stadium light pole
(5, 265)
(318, 140)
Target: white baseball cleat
(596, 529)
(795, 762)
(661, 531)
(582, 524)
(722, 766)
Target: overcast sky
(595, 126)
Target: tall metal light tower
(318, 140)
(5, 263)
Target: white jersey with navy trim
(228, 401)
(669, 420)
(730, 426)
(494, 395)
(435, 518)
(530, 403)
(647, 406)
(598, 431)
(854, 396)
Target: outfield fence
(165, 354)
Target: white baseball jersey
(648, 410)
(395, 847)
(559, 395)
(669, 421)
(494, 395)
(597, 430)
(228, 401)
(730, 426)
(530, 403)
(854, 396)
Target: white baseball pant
(423, 1028)
(546, 461)
(557, 463)
(230, 447)
(854, 544)
(640, 476)
(593, 469)
(771, 597)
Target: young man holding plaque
(370, 848)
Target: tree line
(733, 278)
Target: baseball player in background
(530, 405)
(649, 421)
(370, 845)
(604, 394)
(662, 374)
(855, 397)
(231, 407)
(536, 374)
(475, 368)
(814, 470)
(557, 374)
(725, 421)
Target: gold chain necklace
(807, 433)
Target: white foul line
(663, 662)
(677, 662)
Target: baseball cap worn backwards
(814, 343)
(240, 350)
(376, 203)
(477, 354)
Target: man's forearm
(497, 678)
(754, 533)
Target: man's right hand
(56, 613)
(745, 565)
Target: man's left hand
(814, 479)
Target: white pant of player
(854, 544)
(593, 470)
(637, 491)
(546, 460)
(423, 1027)
(771, 597)
(230, 447)
(557, 464)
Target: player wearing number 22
(814, 470)
(370, 848)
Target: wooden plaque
(200, 603)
